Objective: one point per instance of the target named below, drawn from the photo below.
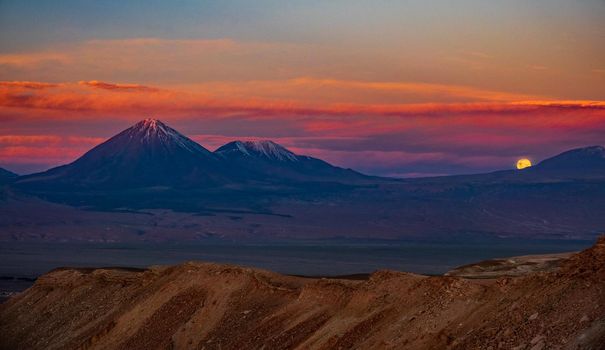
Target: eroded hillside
(210, 306)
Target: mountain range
(266, 159)
(150, 182)
(150, 153)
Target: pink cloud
(383, 138)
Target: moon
(523, 163)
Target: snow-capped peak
(151, 125)
(263, 148)
(153, 130)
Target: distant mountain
(583, 162)
(268, 161)
(577, 164)
(260, 190)
(152, 154)
(587, 163)
(6, 176)
(147, 154)
(265, 149)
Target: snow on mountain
(266, 160)
(262, 148)
(152, 130)
(150, 154)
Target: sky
(395, 88)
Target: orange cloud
(434, 90)
(461, 134)
(33, 59)
(349, 68)
(47, 150)
(28, 84)
(112, 86)
(205, 100)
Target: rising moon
(523, 163)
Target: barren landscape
(311, 175)
(210, 306)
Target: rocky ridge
(209, 306)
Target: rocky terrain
(511, 267)
(209, 306)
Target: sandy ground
(211, 306)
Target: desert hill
(209, 306)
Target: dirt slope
(210, 306)
(511, 267)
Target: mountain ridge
(263, 159)
(249, 194)
(218, 306)
(582, 158)
(259, 148)
(150, 153)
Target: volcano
(152, 154)
(265, 160)
(149, 153)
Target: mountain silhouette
(149, 153)
(152, 154)
(586, 163)
(579, 162)
(266, 160)
(261, 189)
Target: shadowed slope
(6, 176)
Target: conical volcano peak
(149, 153)
(151, 124)
(153, 131)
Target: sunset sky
(398, 88)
